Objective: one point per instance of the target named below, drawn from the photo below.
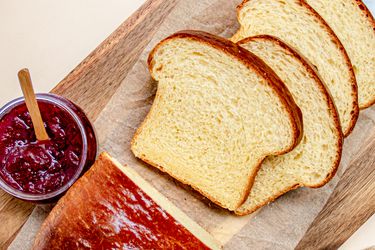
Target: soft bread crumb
(355, 27)
(297, 24)
(314, 161)
(213, 120)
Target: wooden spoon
(32, 104)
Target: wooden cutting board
(92, 83)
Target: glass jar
(87, 139)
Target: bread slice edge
(371, 19)
(248, 58)
(355, 106)
(313, 73)
(368, 15)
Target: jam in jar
(41, 171)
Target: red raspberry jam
(37, 168)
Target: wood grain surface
(91, 85)
(349, 206)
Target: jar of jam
(41, 171)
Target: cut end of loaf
(163, 202)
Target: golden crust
(271, 199)
(355, 108)
(46, 238)
(367, 13)
(102, 194)
(339, 143)
(253, 63)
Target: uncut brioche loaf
(218, 112)
(355, 27)
(297, 24)
(315, 160)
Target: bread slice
(112, 207)
(355, 27)
(315, 160)
(218, 112)
(297, 24)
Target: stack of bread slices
(245, 120)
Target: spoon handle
(32, 104)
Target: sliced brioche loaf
(218, 112)
(314, 161)
(355, 27)
(297, 24)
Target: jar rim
(61, 103)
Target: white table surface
(51, 37)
